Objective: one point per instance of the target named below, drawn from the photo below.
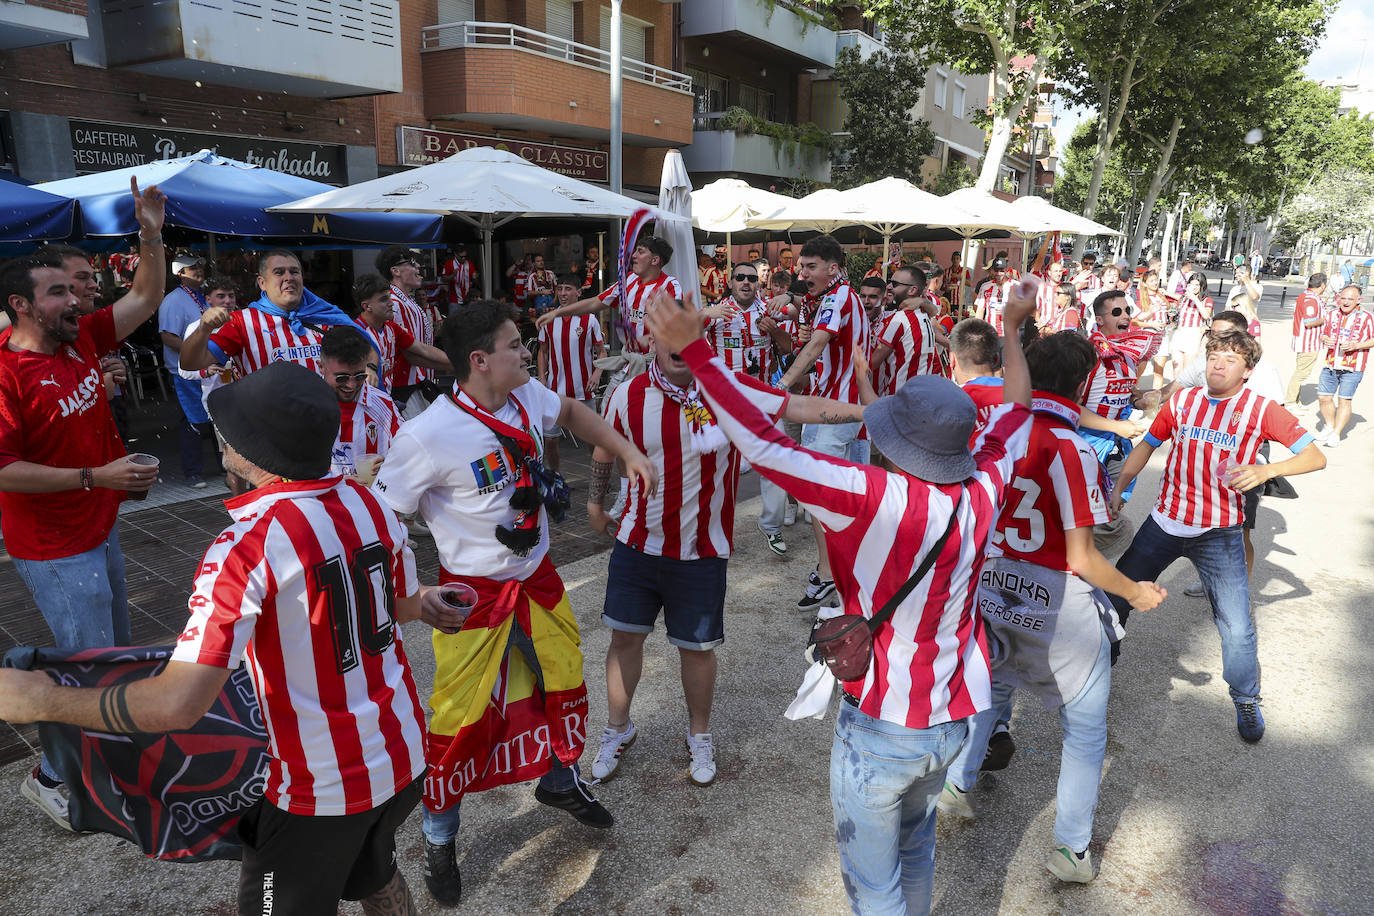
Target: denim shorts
(691, 594)
(838, 440)
(1339, 382)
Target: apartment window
(558, 18)
(938, 88)
(956, 105)
(633, 34)
(708, 95)
(457, 11)
(758, 102)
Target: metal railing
(853, 38)
(519, 38)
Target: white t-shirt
(1264, 380)
(446, 464)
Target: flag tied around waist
(178, 795)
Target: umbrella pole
(212, 249)
(600, 259)
(882, 256)
(729, 253)
(486, 259)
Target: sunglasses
(343, 378)
(746, 278)
(1117, 312)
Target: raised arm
(429, 357)
(580, 307)
(174, 700)
(195, 353)
(1016, 386)
(145, 295)
(805, 359)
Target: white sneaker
(803, 515)
(954, 800)
(1332, 439)
(1066, 865)
(702, 769)
(789, 514)
(52, 802)
(416, 527)
(613, 744)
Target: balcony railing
(853, 38)
(519, 38)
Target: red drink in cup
(459, 596)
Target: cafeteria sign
(421, 146)
(99, 146)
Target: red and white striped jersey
(1059, 486)
(712, 282)
(1190, 315)
(692, 515)
(365, 428)
(257, 339)
(991, 300)
(1204, 431)
(914, 351)
(521, 280)
(1153, 307)
(418, 322)
(955, 278)
(638, 295)
(1112, 380)
(1307, 308)
(1350, 328)
(569, 345)
(741, 343)
(1044, 300)
(986, 392)
(302, 587)
(839, 312)
(930, 661)
(458, 274)
(394, 340)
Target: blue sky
(1346, 54)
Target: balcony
(40, 22)
(720, 150)
(784, 28)
(513, 77)
(309, 48)
(853, 38)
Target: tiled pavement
(164, 539)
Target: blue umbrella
(211, 193)
(29, 215)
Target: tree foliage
(1337, 205)
(884, 138)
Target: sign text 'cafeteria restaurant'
(420, 146)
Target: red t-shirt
(53, 411)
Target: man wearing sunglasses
(369, 418)
(1106, 424)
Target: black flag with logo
(177, 795)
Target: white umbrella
(992, 212)
(675, 197)
(1060, 219)
(482, 186)
(893, 205)
(819, 210)
(727, 204)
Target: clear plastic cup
(142, 459)
(459, 596)
(1223, 469)
(366, 467)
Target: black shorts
(304, 865)
(1252, 496)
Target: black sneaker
(1249, 721)
(441, 873)
(579, 802)
(818, 593)
(1000, 749)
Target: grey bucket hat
(924, 429)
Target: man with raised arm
(907, 716)
(63, 468)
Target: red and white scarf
(706, 434)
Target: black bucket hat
(283, 418)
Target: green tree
(884, 139)
(1015, 41)
(1335, 206)
(955, 176)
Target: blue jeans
(82, 598)
(884, 782)
(1219, 556)
(441, 827)
(1338, 383)
(1084, 723)
(194, 425)
(838, 440)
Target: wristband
(155, 240)
(87, 479)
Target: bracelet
(87, 478)
(155, 240)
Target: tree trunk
(1007, 109)
(1157, 181)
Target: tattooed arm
(603, 463)
(174, 700)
